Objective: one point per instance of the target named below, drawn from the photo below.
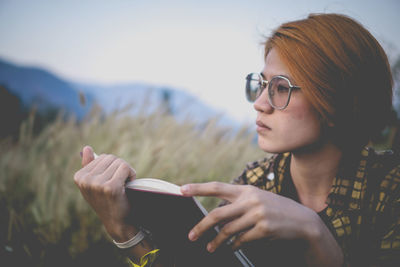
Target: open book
(160, 207)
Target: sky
(203, 47)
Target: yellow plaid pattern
(363, 210)
(146, 260)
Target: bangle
(131, 242)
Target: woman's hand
(102, 184)
(252, 214)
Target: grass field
(44, 221)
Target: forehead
(274, 65)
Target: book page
(155, 185)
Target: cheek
(302, 112)
(299, 116)
(305, 122)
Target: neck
(313, 172)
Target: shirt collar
(348, 187)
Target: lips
(262, 126)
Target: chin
(272, 147)
(275, 147)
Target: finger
(124, 172)
(230, 230)
(221, 214)
(110, 171)
(214, 189)
(250, 235)
(91, 165)
(104, 162)
(87, 155)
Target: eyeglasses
(279, 89)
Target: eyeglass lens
(278, 92)
(278, 89)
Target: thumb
(87, 155)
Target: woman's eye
(283, 89)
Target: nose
(262, 104)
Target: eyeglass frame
(265, 83)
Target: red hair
(343, 72)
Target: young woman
(323, 198)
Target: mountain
(36, 86)
(147, 98)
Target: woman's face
(296, 127)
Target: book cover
(159, 207)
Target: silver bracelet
(131, 242)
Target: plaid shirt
(363, 211)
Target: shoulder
(384, 200)
(384, 175)
(370, 186)
(364, 208)
(380, 193)
(389, 185)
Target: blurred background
(159, 83)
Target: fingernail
(80, 153)
(192, 236)
(210, 248)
